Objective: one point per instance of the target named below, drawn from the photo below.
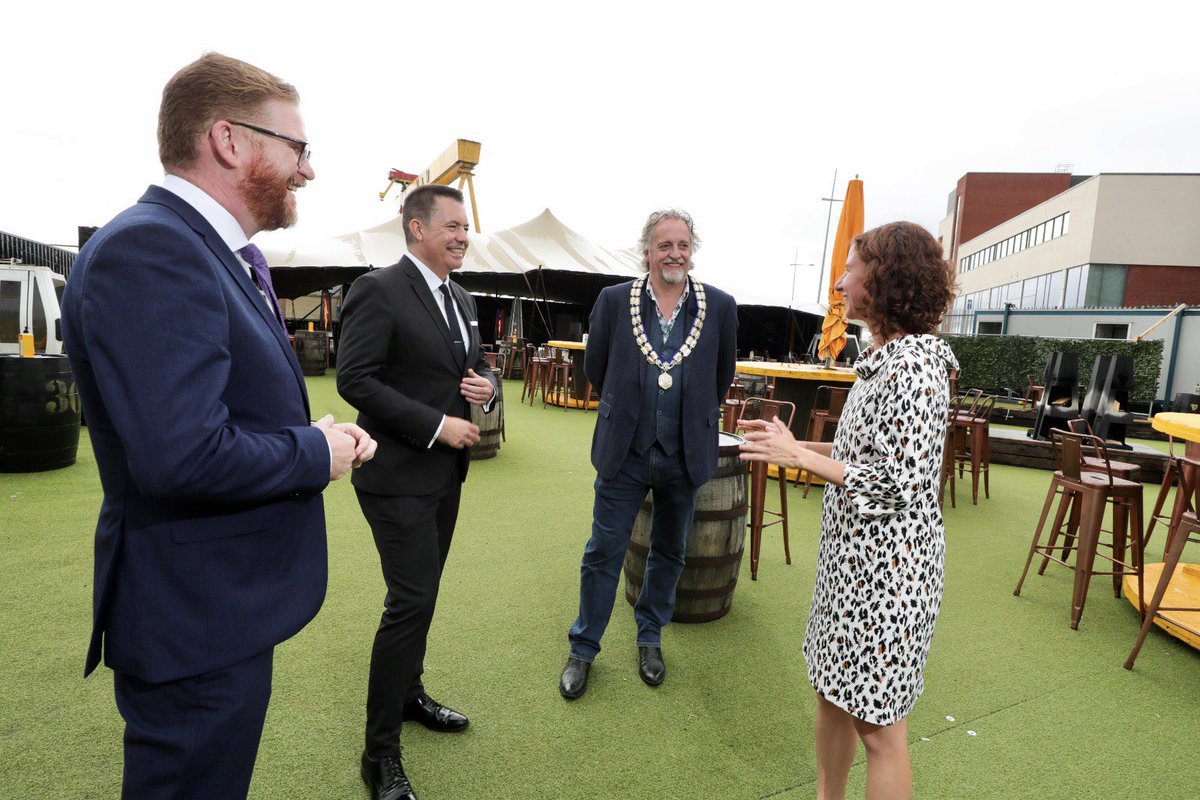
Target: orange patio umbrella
(850, 224)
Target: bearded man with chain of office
(662, 351)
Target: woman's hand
(771, 441)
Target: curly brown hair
(908, 285)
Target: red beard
(267, 197)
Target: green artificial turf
(1039, 710)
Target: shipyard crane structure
(456, 164)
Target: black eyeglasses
(304, 151)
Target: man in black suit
(410, 361)
(662, 350)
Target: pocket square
(474, 323)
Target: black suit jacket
(614, 363)
(396, 364)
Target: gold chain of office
(643, 342)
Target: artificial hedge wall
(995, 362)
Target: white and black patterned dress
(880, 565)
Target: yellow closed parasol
(850, 224)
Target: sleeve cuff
(437, 433)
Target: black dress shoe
(651, 666)
(574, 678)
(386, 779)
(434, 715)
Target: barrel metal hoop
(708, 516)
(703, 562)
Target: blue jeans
(616, 507)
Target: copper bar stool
(949, 460)
(826, 413)
(735, 396)
(1093, 463)
(972, 452)
(1183, 502)
(530, 372)
(1185, 527)
(762, 408)
(561, 374)
(1086, 495)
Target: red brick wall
(990, 198)
(1162, 286)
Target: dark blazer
(210, 546)
(397, 365)
(614, 364)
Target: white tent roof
(541, 242)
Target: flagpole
(828, 218)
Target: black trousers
(194, 737)
(412, 535)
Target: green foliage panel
(992, 362)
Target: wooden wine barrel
(490, 425)
(714, 544)
(39, 414)
(312, 351)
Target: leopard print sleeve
(897, 436)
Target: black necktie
(452, 319)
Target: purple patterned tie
(262, 276)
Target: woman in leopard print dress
(881, 556)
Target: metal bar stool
(1093, 463)
(1184, 528)
(1183, 502)
(826, 413)
(762, 408)
(1086, 495)
(972, 452)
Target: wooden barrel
(490, 425)
(39, 414)
(714, 544)
(312, 351)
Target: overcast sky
(738, 112)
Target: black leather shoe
(651, 666)
(574, 678)
(434, 715)
(386, 779)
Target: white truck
(30, 298)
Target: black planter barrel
(39, 414)
(312, 351)
(714, 544)
(490, 425)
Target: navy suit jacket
(614, 364)
(210, 546)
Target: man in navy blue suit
(662, 351)
(210, 546)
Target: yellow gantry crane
(457, 163)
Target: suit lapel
(421, 289)
(237, 272)
(688, 318)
